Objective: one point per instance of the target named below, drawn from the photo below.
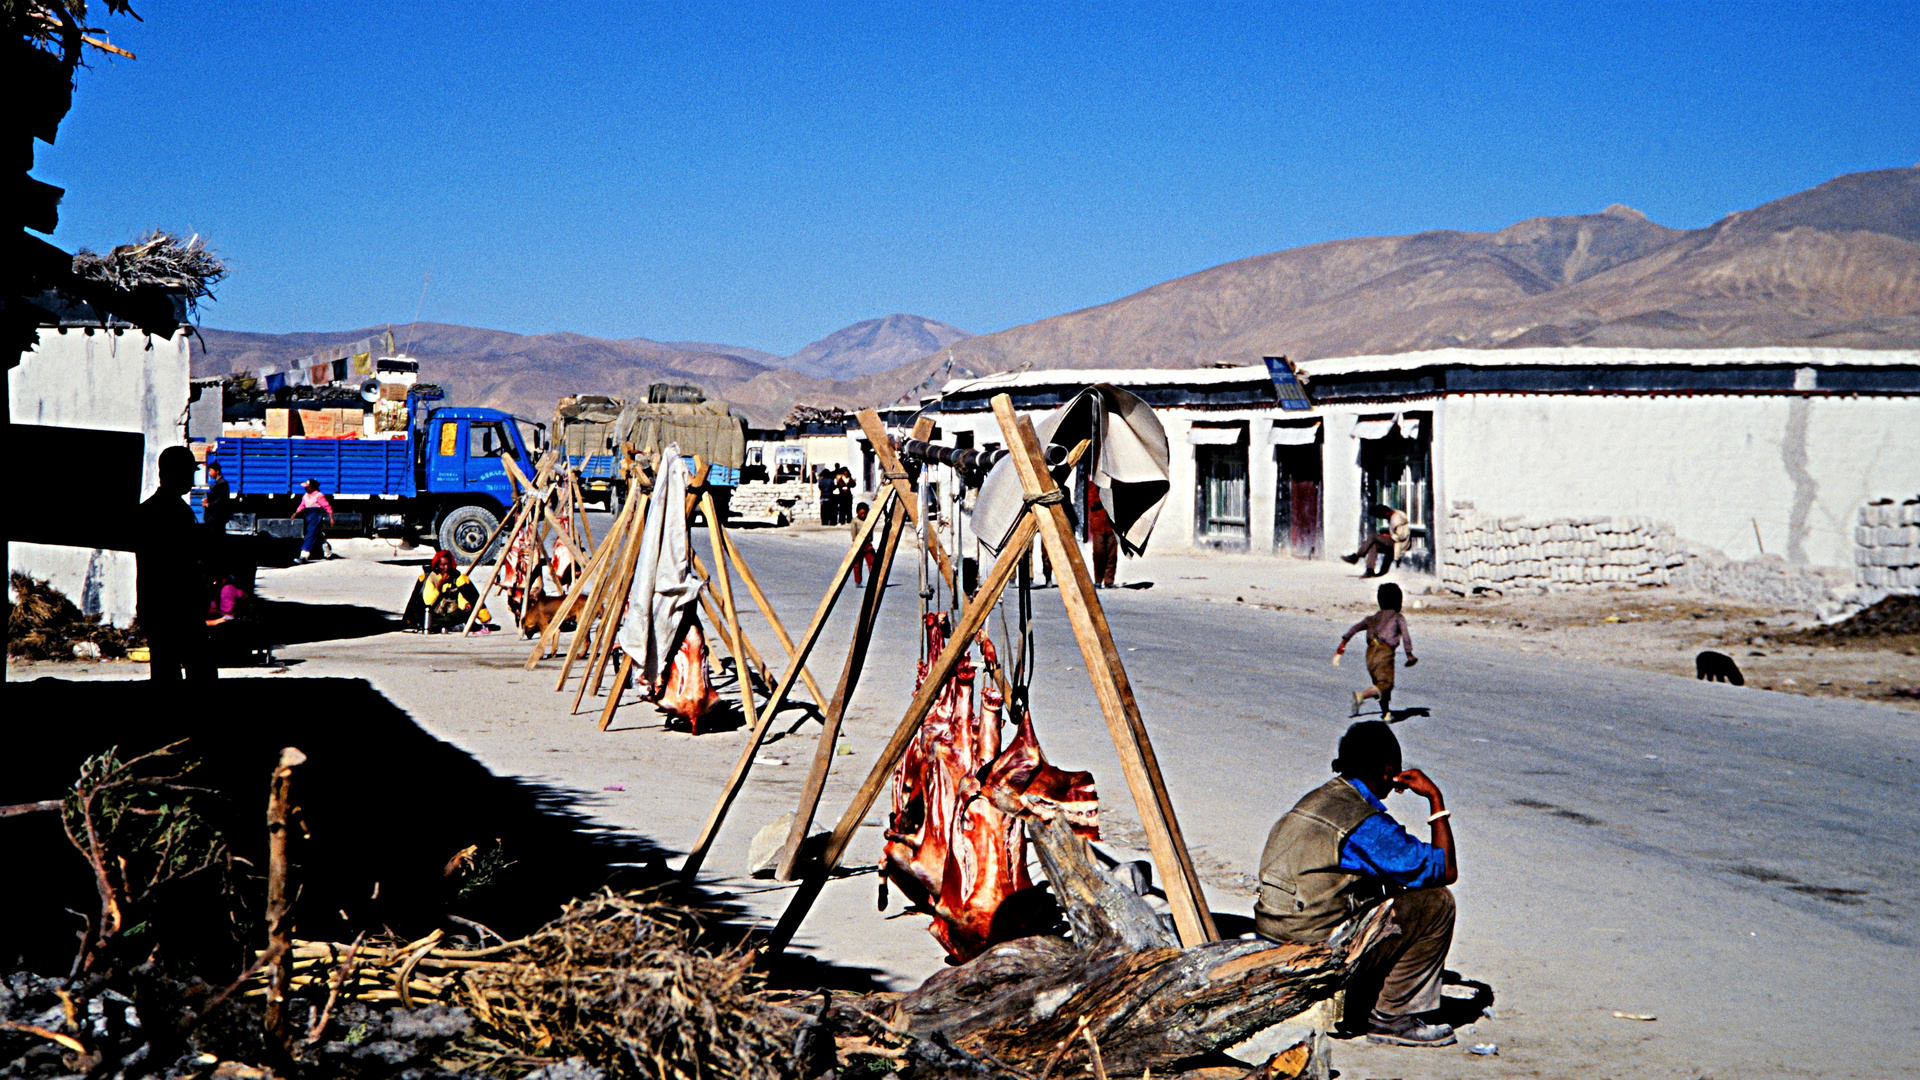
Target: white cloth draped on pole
(664, 584)
(1129, 465)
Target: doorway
(1296, 497)
(1396, 470)
(1220, 491)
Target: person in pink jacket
(312, 505)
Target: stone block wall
(1886, 547)
(765, 502)
(1558, 554)
(1589, 553)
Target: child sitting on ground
(1386, 630)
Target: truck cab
(464, 450)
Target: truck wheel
(613, 501)
(463, 531)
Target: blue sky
(762, 175)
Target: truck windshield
(487, 440)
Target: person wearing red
(1106, 543)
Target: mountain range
(1835, 265)
(525, 373)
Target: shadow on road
(386, 813)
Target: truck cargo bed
(342, 466)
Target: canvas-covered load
(704, 429)
(585, 424)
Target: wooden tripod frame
(1047, 519)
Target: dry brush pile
(42, 624)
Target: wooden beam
(623, 585)
(766, 610)
(619, 687)
(615, 602)
(823, 751)
(735, 639)
(525, 521)
(972, 618)
(704, 843)
(883, 452)
(1110, 685)
(856, 660)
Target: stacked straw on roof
(159, 259)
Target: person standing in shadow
(169, 583)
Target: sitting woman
(443, 598)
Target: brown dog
(544, 610)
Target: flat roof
(1594, 357)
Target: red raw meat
(688, 694)
(954, 842)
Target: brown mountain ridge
(1836, 265)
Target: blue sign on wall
(1285, 383)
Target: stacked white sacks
(1886, 546)
(1566, 554)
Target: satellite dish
(370, 390)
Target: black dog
(1717, 667)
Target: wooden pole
(704, 842)
(584, 572)
(619, 688)
(766, 610)
(823, 751)
(279, 898)
(735, 640)
(522, 521)
(972, 618)
(621, 582)
(1110, 685)
(597, 600)
(628, 567)
(876, 432)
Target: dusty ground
(1647, 629)
(1734, 861)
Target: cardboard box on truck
(282, 424)
(316, 423)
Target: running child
(1386, 631)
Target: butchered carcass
(688, 694)
(954, 842)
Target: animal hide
(955, 853)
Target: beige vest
(1304, 892)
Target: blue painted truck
(447, 479)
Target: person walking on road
(1338, 853)
(311, 506)
(1106, 543)
(169, 599)
(1386, 630)
(864, 560)
(1387, 545)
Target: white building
(1750, 452)
(98, 378)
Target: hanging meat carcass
(688, 695)
(952, 845)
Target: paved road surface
(1739, 863)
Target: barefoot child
(1386, 630)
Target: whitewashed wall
(1712, 466)
(113, 381)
